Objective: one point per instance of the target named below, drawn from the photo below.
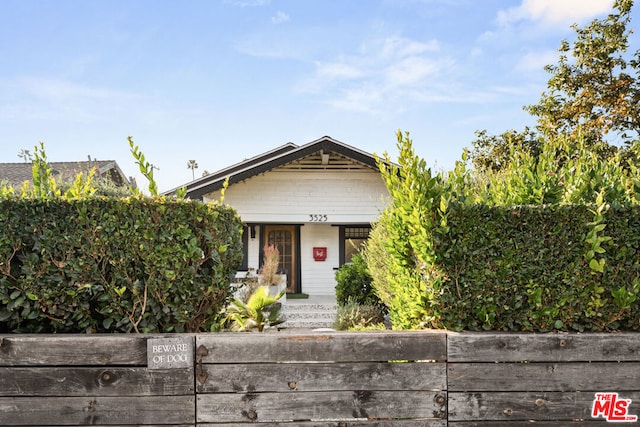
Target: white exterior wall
(318, 277)
(290, 197)
(316, 200)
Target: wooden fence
(427, 379)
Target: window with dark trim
(352, 239)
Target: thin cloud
(365, 99)
(248, 3)
(536, 61)
(511, 90)
(338, 71)
(402, 47)
(279, 18)
(554, 12)
(253, 46)
(298, 44)
(56, 90)
(56, 98)
(382, 75)
(410, 71)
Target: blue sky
(219, 81)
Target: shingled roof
(17, 173)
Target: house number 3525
(318, 218)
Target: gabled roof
(281, 156)
(17, 173)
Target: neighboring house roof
(324, 153)
(17, 173)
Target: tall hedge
(115, 265)
(549, 243)
(526, 268)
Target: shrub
(107, 265)
(354, 283)
(535, 268)
(353, 315)
(412, 222)
(74, 261)
(547, 243)
(103, 187)
(378, 262)
(261, 311)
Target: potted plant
(260, 312)
(245, 285)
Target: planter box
(274, 290)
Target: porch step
(308, 315)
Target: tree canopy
(593, 92)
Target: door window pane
(283, 240)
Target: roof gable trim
(273, 159)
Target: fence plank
(499, 347)
(323, 377)
(340, 423)
(97, 410)
(523, 406)
(270, 407)
(73, 350)
(310, 379)
(104, 381)
(322, 347)
(543, 376)
(564, 423)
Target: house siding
(318, 277)
(318, 201)
(291, 197)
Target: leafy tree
(593, 95)
(597, 91)
(493, 152)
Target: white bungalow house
(316, 202)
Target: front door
(283, 237)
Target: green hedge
(115, 265)
(527, 268)
(549, 243)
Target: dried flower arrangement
(270, 265)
